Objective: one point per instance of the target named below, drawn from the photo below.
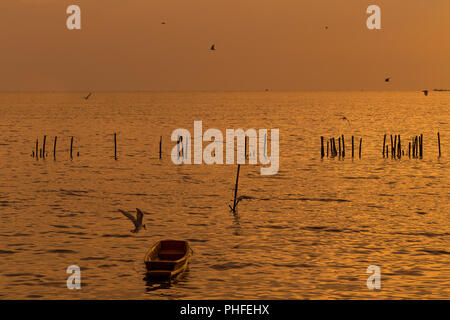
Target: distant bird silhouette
(326, 27)
(387, 80)
(136, 221)
(213, 47)
(345, 118)
(425, 92)
(87, 97)
(163, 22)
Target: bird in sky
(425, 92)
(163, 22)
(87, 97)
(136, 221)
(387, 80)
(326, 27)
(213, 47)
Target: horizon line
(211, 91)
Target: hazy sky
(276, 44)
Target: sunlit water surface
(311, 231)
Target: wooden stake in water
(332, 147)
(417, 146)
(340, 151)
(394, 153)
(115, 146)
(409, 150)
(236, 189)
(439, 143)
(43, 147)
(328, 145)
(180, 147)
(246, 148)
(322, 151)
(37, 149)
(54, 148)
(384, 144)
(160, 146)
(360, 147)
(421, 145)
(399, 147)
(343, 147)
(71, 147)
(353, 147)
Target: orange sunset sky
(275, 44)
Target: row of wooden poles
(335, 150)
(415, 147)
(41, 153)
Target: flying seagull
(213, 47)
(425, 92)
(387, 80)
(239, 200)
(243, 198)
(163, 22)
(87, 97)
(326, 27)
(136, 221)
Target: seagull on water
(425, 92)
(136, 221)
(87, 97)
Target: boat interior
(172, 250)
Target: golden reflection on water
(311, 231)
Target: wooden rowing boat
(167, 258)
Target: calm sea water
(310, 232)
